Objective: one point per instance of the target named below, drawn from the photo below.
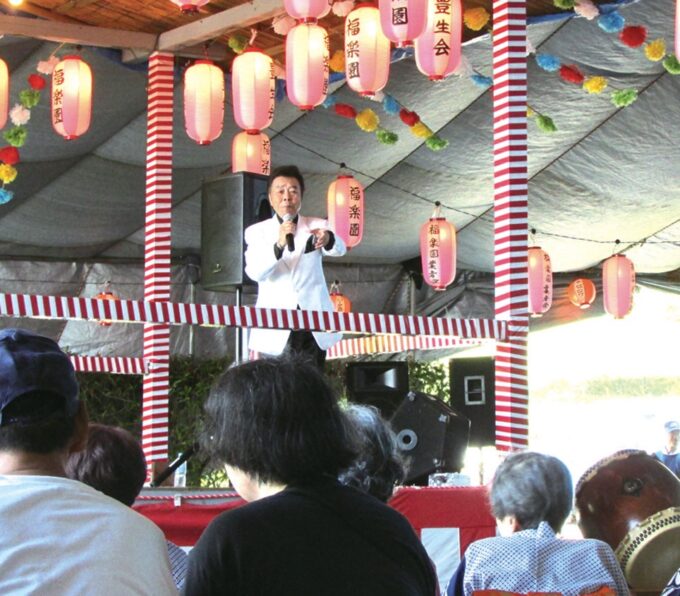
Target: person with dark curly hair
(277, 427)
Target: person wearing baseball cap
(669, 455)
(59, 535)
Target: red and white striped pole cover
(157, 254)
(109, 364)
(510, 220)
(390, 344)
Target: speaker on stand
(379, 384)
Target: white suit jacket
(296, 279)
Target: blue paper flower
(329, 102)
(548, 62)
(611, 22)
(390, 105)
(481, 81)
(5, 196)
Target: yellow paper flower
(337, 61)
(655, 50)
(367, 120)
(7, 173)
(530, 113)
(595, 85)
(421, 131)
(476, 18)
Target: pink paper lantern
(307, 9)
(189, 6)
(438, 49)
(402, 21)
(203, 101)
(438, 251)
(4, 92)
(71, 97)
(367, 51)
(251, 152)
(540, 282)
(346, 209)
(618, 283)
(677, 28)
(307, 55)
(253, 90)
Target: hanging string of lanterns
(438, 250)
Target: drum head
(650, 553)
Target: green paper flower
(671, 64)
(238, 44)
(624, 97)
(564, 4)
(435, 143)
(29, 98)
(386, 137)
(545, 124)
(16, 136)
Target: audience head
(112, 462)
(672, 428)
(277, 421)
(532, 488)
(380, 465)
(39, 408)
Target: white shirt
(61, 537)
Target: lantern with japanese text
(189, 6)
(107, 294)
(253, 90)
(540, 282)
(402, 21)
(307, 55)
(307, 9)
(346, 209)
(438, 49)
(367, 51)
(618, 283)
(438, 251)
(340, 302)
(71, 97)
(4, 92)
(581, 293)
(251, 152)
(203, 101)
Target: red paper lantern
(190, 6)
(253, 90)
(4, 92)
(346, 209)
(367, 51)
(307, 9)
(581, 293)
(438, 251)
(402, 21)
(618, 283)
(540, 282)
(340, 302)
(106, 295)
(438, 49)
(203, 101)
(307, 55)
(251, 152)
(71, 97)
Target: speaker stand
(238, 348)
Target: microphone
(290, 239)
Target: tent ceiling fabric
(607, 173)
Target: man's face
(672, 440)
(285, 196)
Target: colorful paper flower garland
(20, 115)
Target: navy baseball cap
(31, 362)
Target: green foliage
(386, 137)
(16, 136)
(435, 143)
(545, 124)
(671, 64)
(624, 97)
(29, 98)
(564, 4)
(431, 378)
(604, 387)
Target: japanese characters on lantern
(71, 97)
(581, 293)
(251, 152)
(346, 209)
(438, 251)
(540, 282)
(402, 21)
(438, 49)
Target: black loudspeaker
(229, 204)
(432, 436)
(473, 394)
(380, 384)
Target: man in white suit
(283, 256)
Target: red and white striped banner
(388, 344)
(510, 219)
(109, 364)
(177, 313)
(157, 241)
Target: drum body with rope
(632, 502)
